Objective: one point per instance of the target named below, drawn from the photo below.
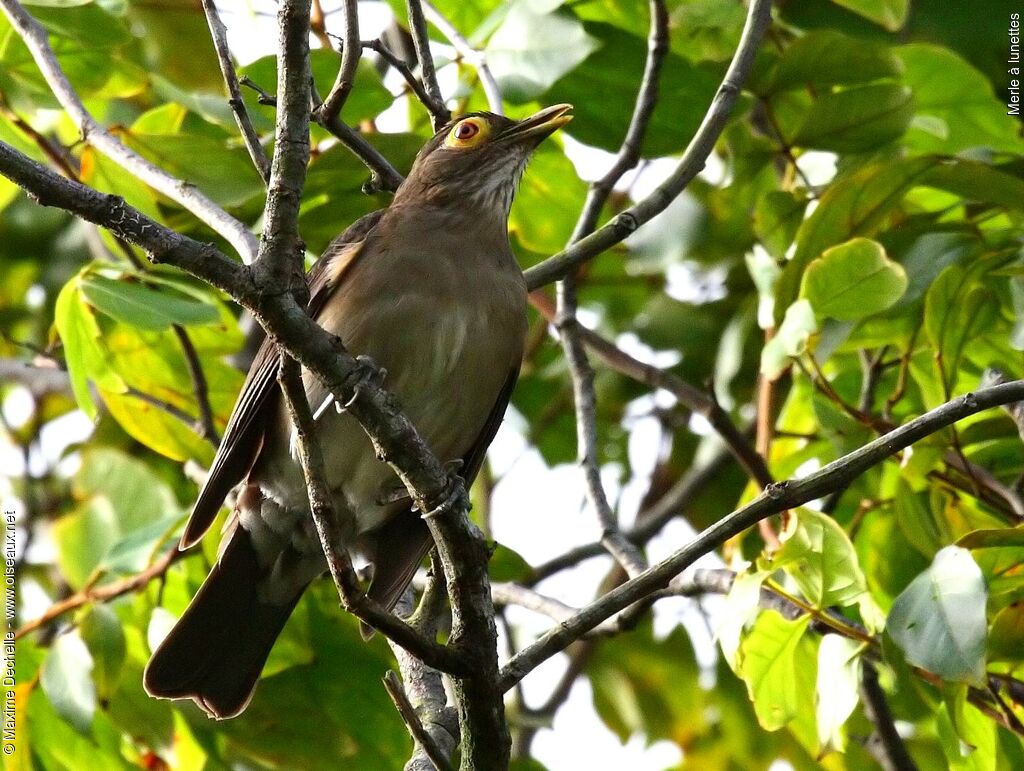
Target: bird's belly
(446, 363)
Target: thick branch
(777, 498)
(235, 232)
(220, 42)
(700, 147)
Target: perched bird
(430, 290)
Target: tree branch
(700, 147)
(439, 114)
(219, 33)
(778, 497)
(187, 195)
(885, 744)
(646, 101)
(353, 598)
(204, 425)
(469, 54)
(351, 50)
(420, 735)
(421, 43)
(103, 593)
(689, 396)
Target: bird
(430, 290)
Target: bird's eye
(467, 133)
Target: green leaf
(531, 50)
(66, 682)
(939, 620)
(133, 302)
(969, 741)
(1006, 637)
(824, 58)
(976, 181)
(76, 324)
(956, 312)
(549, 198)
(955, 105)
(649, 686)
(773, 668)
(603, 88)
(838, 690)
(790, 339)
(776, 219)
(102, 634)
(855, 205)
(853, 280)
(819, 556)
(986, 539)
(891, 14)
(856, 119)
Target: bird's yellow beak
(539, 125)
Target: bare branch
(700, 147)
(220, 42)
(423, 684)
(36, 378)
(439, 113)
(184, 193)
(646, 101)
(353, 598)
(421, 42)
(412, 721)
(351, 50)
(104, 593)
(468, 53)
(778, 497)
(885, 744)
(622, 550)
(204, 425)
(688, 395)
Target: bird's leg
(366, 373)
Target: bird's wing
(243, 435)
(404, 540)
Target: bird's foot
(365, 374)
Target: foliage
(852, 257)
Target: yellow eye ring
(468, 133)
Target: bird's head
(475, 161)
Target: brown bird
(430, 290)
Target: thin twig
(469, 54)
(180, 191)
(626, 553)
(351, 50)
(204, 425)
(412, 721)
(700, 147)
(104, 593)
(219, 33)
(439, 114)
(421, 42)
(885, 744)
(778, 497)
(646, 101)
(689, 396)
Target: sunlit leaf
(939, 620)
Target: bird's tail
(216, 651)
